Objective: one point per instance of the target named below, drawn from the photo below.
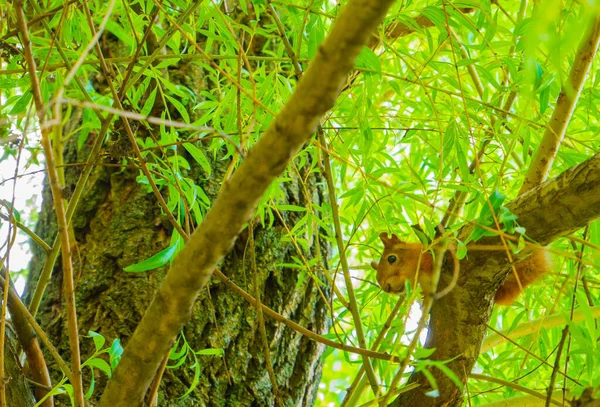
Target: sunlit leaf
(159, 259)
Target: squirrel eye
(391, 259)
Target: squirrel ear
(389, 242)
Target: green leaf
(159, 259)
(450, 137)
(317, 35)
(461, 249)
(544, 99)
(423, 353)
(115, 352)
(450, 374)
(166, 63)
(98, 339)
(198, 156)
(88, 394)
(367, 59)
(195, 380)
(437, 17)
(486, 216)
(149, 103)
(589, 318)
(211, 352)
(174, 354)
(180, 108)
(20, 106)
(119, 32)
(410, 22)
(432, 382)
(9, 83)
(462, 162)
(466, 62)
(100, 364)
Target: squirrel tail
(528, 271)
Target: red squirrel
(399, 262)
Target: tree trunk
(118, 223)
(19, 392)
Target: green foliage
(401, 140)
(182, 353)
(93, 363)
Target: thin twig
(152, 396)
(533, 355)
(38, 368)
(57, 193)
(45, 275)
(512, 386)
(22, 310)
(299, 328)
(10, 241)
(44, 246)
(261, 321)
(455, 274)
(556, 366)
(572, 313)
(359, 383)
(471, 67)
(132, 59)
(345, 270)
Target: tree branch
(171, 307)
(458, 321)
(400, 29)
(565, 105)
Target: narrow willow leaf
(211, 352)
(317, 34)
(368, 60)
(544, 99)
(196, 378)
(199, 157)
(159, 259)
(90, 391)
(449, 139)
(450, 374)
(21, 106)
(180, 108)
(149, 103)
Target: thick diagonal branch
(171, 307)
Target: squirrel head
(399, 262)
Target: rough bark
(118, 223)
(171, 307)
(458, 321)
(18, 391)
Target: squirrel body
(405, 261)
